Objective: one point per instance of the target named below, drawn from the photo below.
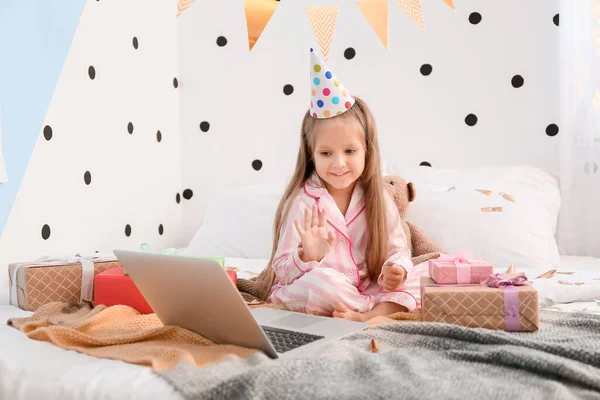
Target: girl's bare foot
(381, 309)
(341, 311)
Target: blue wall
(35, 36)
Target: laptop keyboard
(284, 340)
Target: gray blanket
(418, 361)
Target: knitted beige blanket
(121, 333)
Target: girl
(339, 249)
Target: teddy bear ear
(412, 192)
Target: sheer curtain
(579, 143)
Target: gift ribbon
(87, 272)
(462, 260)
(512, 314)
(145, 248)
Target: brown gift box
(477, 306)
(38, 283)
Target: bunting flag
(258, 15)
(450, 3)
(323, 21)
(414, 10)
(183, 5)
(376, 14)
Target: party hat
(328, 96)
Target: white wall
(134, 178)
(420, 118)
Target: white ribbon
(87, 272)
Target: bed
(416, 359)
(31, 369)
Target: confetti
(508, 197)
(492, 209)
(547, 274)
(374, 346)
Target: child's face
(339, 152)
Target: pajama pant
(320, 289)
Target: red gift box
(113, 287)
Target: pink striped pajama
(341, 276)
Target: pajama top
(342, 273)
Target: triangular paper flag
(414, 10)
(450, 3)
(183, 5)
(376, 14)
(258, 15)
(323, 21)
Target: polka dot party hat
(328, 96)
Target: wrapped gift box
(459, 268)
(61, 279)
(510, 308)
(113, 287)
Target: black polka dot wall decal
(178, 198)
(175, 83)
(426, 69)
(288, 89)
(257, 165)
(204, 126)
(87, 177)
(130, 128)
(349, 53)
(161, 229)
(556, 19)
(187, 194)
(591, 168)
(45, 232)
(517, 81)
(425, 164)
(135, 43)
(47, 132)
(221, 41)
(475, 18)
(552, 130)
(92, 72)
(158, 136)
(471, 119)
(127, 230)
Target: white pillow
(448, 208)
(238, 223)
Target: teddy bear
(422, 248)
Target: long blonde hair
(371, 181)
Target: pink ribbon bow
(461, 257)
(502, 280)
(462, 260)
(512, 314)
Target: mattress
(30, 369)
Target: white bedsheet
(583, 292)
(31, 369)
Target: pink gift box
(459, 269)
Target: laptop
(198, 295)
